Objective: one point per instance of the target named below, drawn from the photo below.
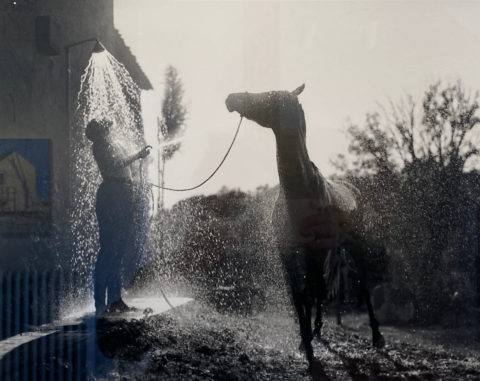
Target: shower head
(98, 48)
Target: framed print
(25, 187)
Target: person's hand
(323, 225)
(144, 152)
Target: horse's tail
(331, 271)
(337, 260)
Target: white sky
(350, 55)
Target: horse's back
(342, 195)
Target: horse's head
(278, 110)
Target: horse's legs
(339, 309)
(377, 338)
(320, 294)
(318, 319)
(310, 294)
(340, 296)
(308, 319)
(305, 327)
(299, 276)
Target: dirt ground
(195, 343)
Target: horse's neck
(299, 178)
(301, 184)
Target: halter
(212, 174)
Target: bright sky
(350, 55)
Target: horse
(301, 186)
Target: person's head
(98, 130)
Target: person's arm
(144, 152)
(108, 160)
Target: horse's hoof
(378, 340)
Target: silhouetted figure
(118, 201)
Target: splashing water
(169, 142)
(107, 91)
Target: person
(117, 202)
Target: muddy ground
(196, 343)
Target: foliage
(221, 240)
(172, 123)
(174, 112)
(442, 135)
(411, 165)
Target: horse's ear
(298, 90)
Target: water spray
(68, 75)
(97, 48)
(107, 91)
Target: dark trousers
(116, 209)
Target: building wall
(33, 101)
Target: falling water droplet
(107, 91)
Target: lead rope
(212, 174)
(195, 187)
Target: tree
(174, 112)
(411, 165)
(172, 123)
(442, 134)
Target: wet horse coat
(302, 188)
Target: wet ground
(196, 344)
(193, 342)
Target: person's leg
(100, 283)
(122, 242)
(114, 281)
(105, 288)
(104, 274)
(101, 266)
(134, 235)
(114, 289)
(122, 248)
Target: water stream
(107, 92)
